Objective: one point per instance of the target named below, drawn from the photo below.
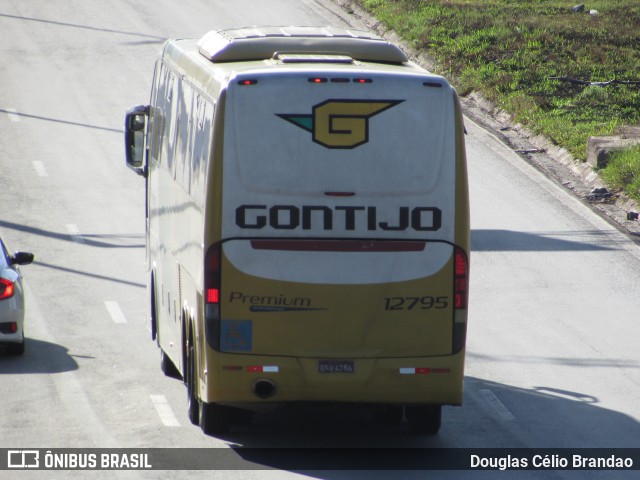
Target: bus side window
(201, 148)
(173, 122)
(158, 113)
(184, 134)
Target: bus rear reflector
(263, 369)
(232, 368)
(422, 370)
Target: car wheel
(15, 348)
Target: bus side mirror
(134, 138)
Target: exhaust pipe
(264, 388)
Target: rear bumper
(11, 312)
(230, 379)
(17, 337)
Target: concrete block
(599, 148)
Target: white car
(12, 301)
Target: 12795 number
(409, 303)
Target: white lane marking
(115, 312)
(163, 408)
(74, 231)
(40, 169)
(68, 384)
(497, 405)
(12, 113)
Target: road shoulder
(555, 162)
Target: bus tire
(215, 419)
(424, 419)
(193, 408)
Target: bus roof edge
(262, 43)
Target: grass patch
(511, 51)
(623, 171)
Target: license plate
(336, 366)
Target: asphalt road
(553, 327)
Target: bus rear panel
(340, 274)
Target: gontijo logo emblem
(340, 123)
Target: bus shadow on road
(489, 240)
(40, 357)
(335, 442)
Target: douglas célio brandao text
(550, 461)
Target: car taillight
(461, 299)
(7, 288)
(8, 327)
(212, 283)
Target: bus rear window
(287, 135)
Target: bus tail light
(213, 295)
(461, 298)
(212, 281)
(461, 279)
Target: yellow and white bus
(307, 224)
